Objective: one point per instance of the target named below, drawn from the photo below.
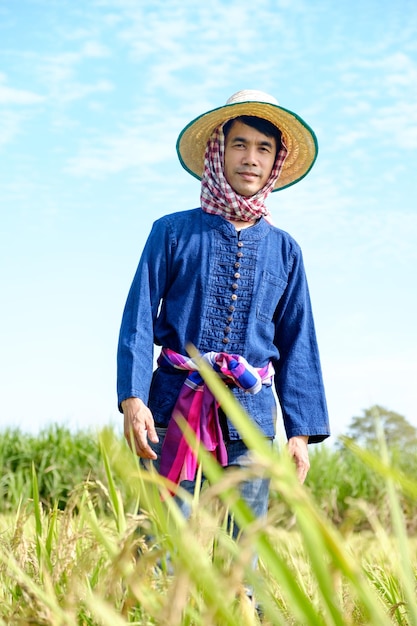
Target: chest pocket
(270, 292)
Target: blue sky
(92, 98)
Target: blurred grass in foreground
(85, 560)
(77, 566)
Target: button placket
(234, 286)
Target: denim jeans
(254, 492)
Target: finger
(143, 448)
(301, 474)
(152, 434)
(302, 471)
(131, 439)
(135, 439)
(136, 433)
(146, 452)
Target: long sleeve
(298, 380)
(199, 282)
(136, 339)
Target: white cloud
(397, 124)
(13, 96)
(132, 148)
(380, 96)
(64, 88)
(59, 73)
(77, 91)
(10, 125)
(202, 45)
(95, 49)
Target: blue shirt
(201, 281)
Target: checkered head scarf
(219, 198)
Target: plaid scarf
(219, 198)
(198, 406)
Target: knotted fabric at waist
(197, 405)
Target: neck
(241, 224)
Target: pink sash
(199, 407)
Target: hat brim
(298, 137)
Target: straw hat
(298, 137)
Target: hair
(259, 124)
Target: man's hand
(297, 448)
(139, 427)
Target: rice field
(88, 538)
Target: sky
(93, 95)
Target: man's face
(249, 157)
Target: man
(223, 278)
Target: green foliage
(93, 550)
(339, 481)
(399, 434)
(76, 566)
(342, 485)
(62, 460)
(349, 489)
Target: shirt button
(237, 275)
(225, 340)
(234, 297)
(235, 286)
(231, 308)
(229, 319)
(240, 244)
(226, 330)
(239, 255)
(237, 265)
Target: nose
(250, 156)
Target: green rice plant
(323, 545)
(337, 480)
(114, 575)
(402, 582)
(136, 560)
(37, 514)
(62, 460)
(51, 561)
(115, 498)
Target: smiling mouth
(248, 175)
